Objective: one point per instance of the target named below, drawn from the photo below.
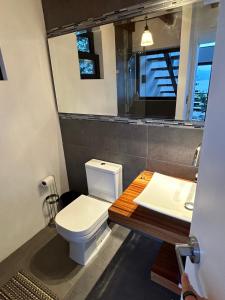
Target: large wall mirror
(154, 65)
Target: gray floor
(119, 271)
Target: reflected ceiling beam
(150, 8)
(129, 26)
(167, 19)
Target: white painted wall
(208, 220)
(188, 51)
(206, 23)
(30, 140)
(84, 96)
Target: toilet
(83, 223)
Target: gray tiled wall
(168, 150)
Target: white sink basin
(168, 196)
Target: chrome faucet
(188, 204)
(197, 156)
(196, 159)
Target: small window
(87, 66)
(88, 60)
(83, 44)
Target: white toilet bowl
(83, 223)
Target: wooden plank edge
(154, 231)
(172, 286)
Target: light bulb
(147, 39)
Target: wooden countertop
(125, 212)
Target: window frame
(89, 35)
(152, 52)
(90, 56)
(95, 59)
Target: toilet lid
(83, 215)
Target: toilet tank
(104, 179)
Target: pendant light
(146, 39)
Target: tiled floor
(119, 271)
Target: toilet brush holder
(52, 202)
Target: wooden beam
(167, 19)
(164, 69)
(167, 92)
(163, 77)
(164, 84)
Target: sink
(168, 195)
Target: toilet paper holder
(52, 200)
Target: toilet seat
(82, 218)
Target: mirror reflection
(151, 66)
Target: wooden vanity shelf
(125, 212)
(168, 229)
(165, 270)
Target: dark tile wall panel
(173, 144)
(107, 136)
(76, 156)
(115, 142)
(172, 169)
(168, 150)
